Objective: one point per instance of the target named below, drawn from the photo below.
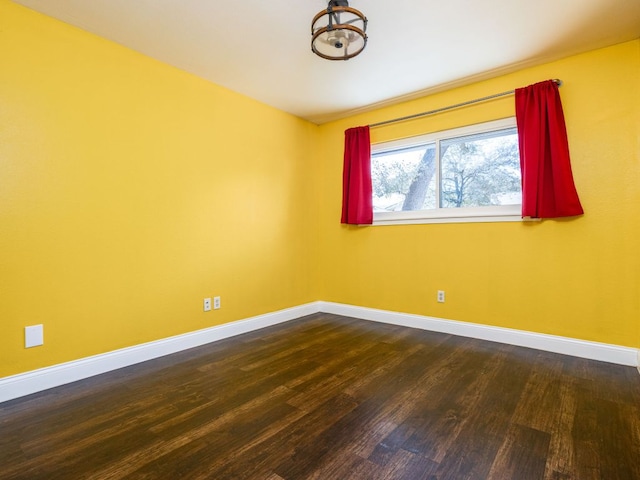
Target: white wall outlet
(216, 303)
(207, 304)
(440, 296)
(33, 336)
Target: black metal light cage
(341, 35)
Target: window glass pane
(404, 179)
(480, 170)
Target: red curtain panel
(548, 190)
(357, 200)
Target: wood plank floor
(328, 397)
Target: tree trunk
(417, 193)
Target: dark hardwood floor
(328, 397)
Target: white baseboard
(550, 343)
(42, 379)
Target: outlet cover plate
(33, 336)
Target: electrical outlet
(33, 336)
(440, 296)
(216, 303)
(207, 304)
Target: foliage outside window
(467, 174)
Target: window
(470, 174)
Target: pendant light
(338, 33)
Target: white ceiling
(261, 48)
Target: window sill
(505, 213)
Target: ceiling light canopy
(338, 33)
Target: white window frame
(495, 213)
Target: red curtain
(548, 190)
(357, 206)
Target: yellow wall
(130, 191)
(577, 278)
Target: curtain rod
(451, 107)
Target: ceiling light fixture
(338, 33)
